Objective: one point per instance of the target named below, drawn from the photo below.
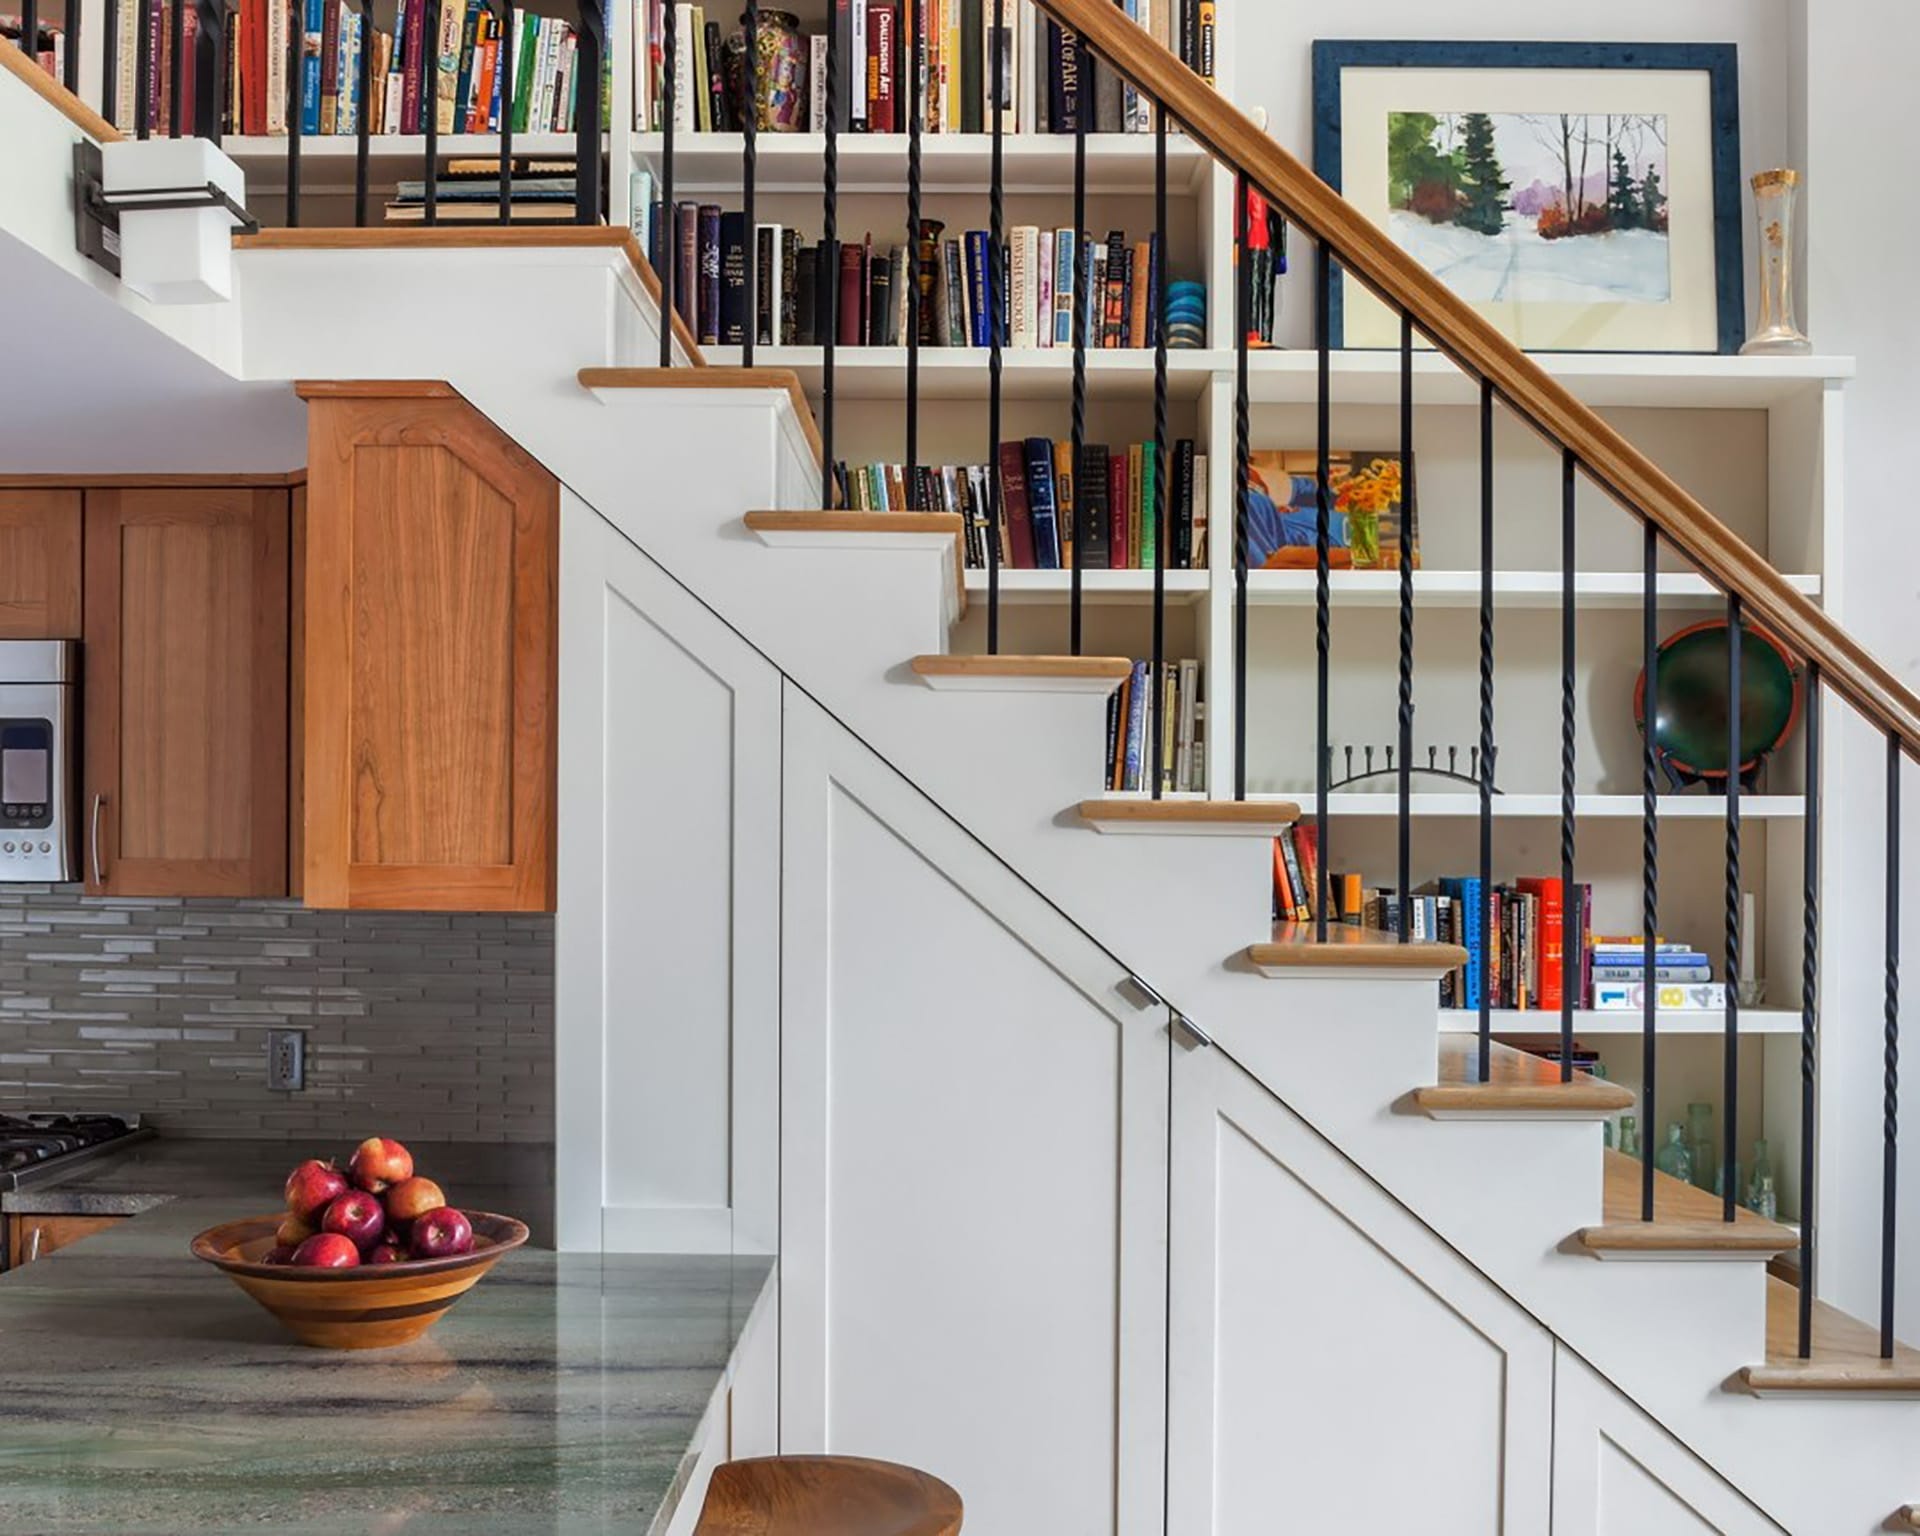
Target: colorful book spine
(1041, 505)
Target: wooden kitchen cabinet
(431, 553)
(31, 1237)
(39, 565)
(184, 787)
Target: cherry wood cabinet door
(185, 783)
(39, 565)
(431, 555)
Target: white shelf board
(327, 160)
(1465, 804)
(1096, 586)
(1511, 589)
(1680, 1021)
(949, 162)
(1681, 381)
(960, 373)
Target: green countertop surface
(141, 1391)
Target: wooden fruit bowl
(371, 1306)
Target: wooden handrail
(1366, 252)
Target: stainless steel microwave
(39, 760)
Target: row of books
(1049, 81)
(468, 192)
(460, 71)
(50, 43)
(1174, 706)
(791, 308)
(1037, 504)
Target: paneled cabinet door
(1333, 1365)
(39, 565)
(185, 783)
(973, 1165)
(429, 692)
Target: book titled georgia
(1366, 510)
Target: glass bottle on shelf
(1674, 1159)
(1700, 1144)
(1629, 1136)
(1762, 1198)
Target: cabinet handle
(93, 836)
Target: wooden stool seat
(826, 1496)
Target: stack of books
(468, 192)
(1177, 710)
(1051, 79)
(708, 247)
(1119, 521)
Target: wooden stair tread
(1093, 669)
(1298, 945)
(1685, 1219)
(845, 520)
(1521, 1083)
(813, 1495)
(1846, 1352)
(1252, 815)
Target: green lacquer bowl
(1690, 712)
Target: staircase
(1644, 1279)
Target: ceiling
(86, 386)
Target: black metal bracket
(1432, 768)
(96, 212)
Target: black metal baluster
(830, 254)
(176, 69)
(1322, 580)
(1649, 864)
(1242, 480)
(996, 261)
(363, 121)
(505, 67)
(110, 104)
(916, 108)
(1809, 1010)
(1162, 543)
(1407, 546)
(30, 31)
(143, 65)
(669, 242)
(296, 97)
(749, 176)
(1570, 926)
(1083, 311)
(209, 67)
(1890, 1101)
(1730, 1064)
(70, 65)
(590, 48)
(1486, 727)
(430, 92)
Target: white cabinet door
(973, 1178)
(1618, 1473)
(1334, 1365)
(667, 1000)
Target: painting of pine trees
(1533, 207)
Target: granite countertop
(142, 1392)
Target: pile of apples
(377, 1212)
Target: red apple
(327, 1250)
(312, 1187)
(387, 1253)
(279, 1253)
(356, 1216)
(413, 1198)
(441, 1234)
(292, 1231)
(378, 1162)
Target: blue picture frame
(1718, 61)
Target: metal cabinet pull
(99, 877)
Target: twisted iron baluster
(830, 254)
(1322, 583)
(1082, 320)
(1242, 482)
(1890, 1100)
(1569, 486)
(1407, 546)
(996, 259)
(1486, 727)
(1649, 861)
(1730, 1063)
(669, 214)
(505, 66)
(1161, 500)
(749, 176)
(1809, 1010)
(915, 107)
(430, 105)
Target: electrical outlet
(286, 1060)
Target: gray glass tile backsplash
(430, 1025)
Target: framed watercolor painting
(1585, 197)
